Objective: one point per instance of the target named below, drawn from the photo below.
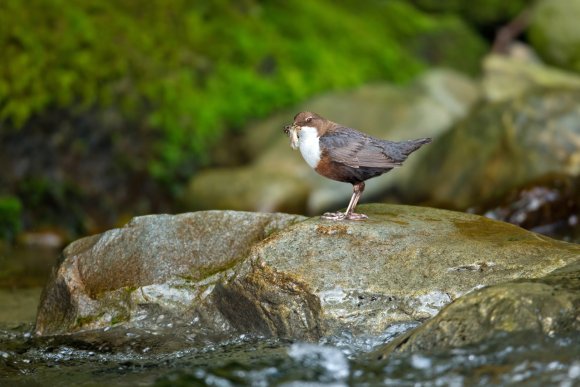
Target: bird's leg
(357, 191)
(338, 215)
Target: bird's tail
(408, 147)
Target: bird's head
(301, 120)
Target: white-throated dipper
(344, 154)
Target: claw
(333, 216)
(343, 216)
(355, 216)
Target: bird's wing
(355, 149)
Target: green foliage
(10, 211)
(185, 71)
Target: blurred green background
(108, 108)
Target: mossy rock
(498, 147)
(555, 33)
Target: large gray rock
(426, 108)
(222, 273)
(544, 306)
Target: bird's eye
(309, 119)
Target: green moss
(83, 322)
(185, 71)
(120, 318)
(87, 320)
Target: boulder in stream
(215, 275)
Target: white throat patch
(309, 145)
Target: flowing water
(342, 360)
(337, 361)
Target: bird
(346, 155)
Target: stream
(342, 360)
(336, 361)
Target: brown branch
(507, 34)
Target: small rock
(51, 239)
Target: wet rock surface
(211, 276)
(537, 307)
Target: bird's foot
(332, 216)
(355, 216)
(343, 216)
